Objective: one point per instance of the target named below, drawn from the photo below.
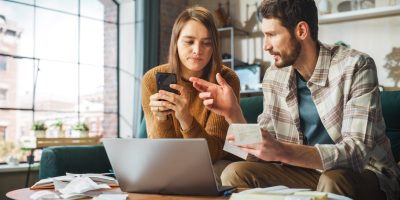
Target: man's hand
(219, 98)
(267, 150)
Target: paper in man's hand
(244, 134)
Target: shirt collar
(320, 74)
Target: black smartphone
(164, 80)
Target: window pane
(92, 8)
(92, 42)
(94, 120)
(25, 1)
(16, 125)
(57, 36)
(17, 82)
(50, 118)
(70, 6)
(16, 29)
(57, 87)
(3, 63)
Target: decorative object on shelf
(344, 6)
(324, 7)
(366, 4)
(12, 160)
(80, 129)
(39, 129)
(223, 17)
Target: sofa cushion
(390, 101)
(58, 160)
(394, 137)
(142, 129)
(251, 108)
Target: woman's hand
(179, 104)
(156, 107)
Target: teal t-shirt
(310, 122)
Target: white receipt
(244, 134)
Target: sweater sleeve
(216, 127)
(155, 128)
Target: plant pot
(77, 133)
(39, 134)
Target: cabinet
(230, 33)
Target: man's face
(280, 43)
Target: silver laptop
(163, 166)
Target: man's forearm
(301, 156)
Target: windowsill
(23, 167)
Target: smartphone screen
(164, 80)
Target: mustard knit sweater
(206, 124)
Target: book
(48, 183)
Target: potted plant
(58, 128)
(39, 129)
(81, 129)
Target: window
(62, 65)
(2, 133)
(3, 63)
(3, 94)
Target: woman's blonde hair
(205, 17)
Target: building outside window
(3, 64)
(62, 66)
(3, 95)
(2, 133)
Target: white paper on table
(244, 134)
(80, 185)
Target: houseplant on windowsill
(39, 129)
(58, 129)
(80, 129)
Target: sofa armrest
(56, 161)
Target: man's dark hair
(291, 12)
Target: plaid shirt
(344, 88)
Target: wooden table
(23, 194)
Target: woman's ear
(302, 30)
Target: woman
(194, 51)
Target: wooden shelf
(37, 143)
(360, 14)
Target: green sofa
(93, 159)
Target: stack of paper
(285, 193)
(76, 186)
(49, 183)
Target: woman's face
(194, 48)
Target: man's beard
(290, 58)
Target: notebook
(163, 166)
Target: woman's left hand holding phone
(177, 104)
(156, 106)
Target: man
(322, 125)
